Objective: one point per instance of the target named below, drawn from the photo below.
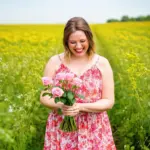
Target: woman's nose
(78, 45)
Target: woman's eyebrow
(79, 39)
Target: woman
(94, 130)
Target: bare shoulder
(102, 60)
(55, 59)
(52, 65)
(104, 64)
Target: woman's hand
(70, 110)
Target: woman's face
(78, 43)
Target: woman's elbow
(111, 104)
(41, 100)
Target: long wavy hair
(75, 24)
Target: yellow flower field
(24, 51)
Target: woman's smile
(79, 50)
(78, 43)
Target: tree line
(126, 18)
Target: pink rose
(57, 92)
(69, 76)
(76, 81)
(47, 81)
(61, 76)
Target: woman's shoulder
(55, 59)
(104, 65)
(52, 65)
(102, 60)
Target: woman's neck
(82, 58)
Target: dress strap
(59, 58)
(96, 61)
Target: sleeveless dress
(94, 130)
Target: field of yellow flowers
(24, 51)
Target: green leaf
(59, 111)
(72, 102)
(64, 95)
(46, 88)
(49, 94)
(70, 95)
(63, 100)
(57, 99)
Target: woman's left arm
(107, 100)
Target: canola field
(24, 51)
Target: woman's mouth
(79, 50)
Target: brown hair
(74, 24)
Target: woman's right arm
(49, 71)
(49, 102)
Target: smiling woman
(78, 38)
(79, 58)
(78, 43)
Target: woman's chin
(80, 53)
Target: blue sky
(59, 11)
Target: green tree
(112, 20)
(125, 18)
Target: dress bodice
(91, 87)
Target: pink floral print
(94, 130)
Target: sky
(60, 11)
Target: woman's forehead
(77, 35)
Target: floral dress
(94, 130)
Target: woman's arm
(99, 106)
(107, 100)
(49, 102)
(49, 71)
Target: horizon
(59, 12)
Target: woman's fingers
(69, 107)
(70, 110)
(74, 110)
(70, 114)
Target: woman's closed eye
(73, 42)
(82, 41)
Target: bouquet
(63, 90)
